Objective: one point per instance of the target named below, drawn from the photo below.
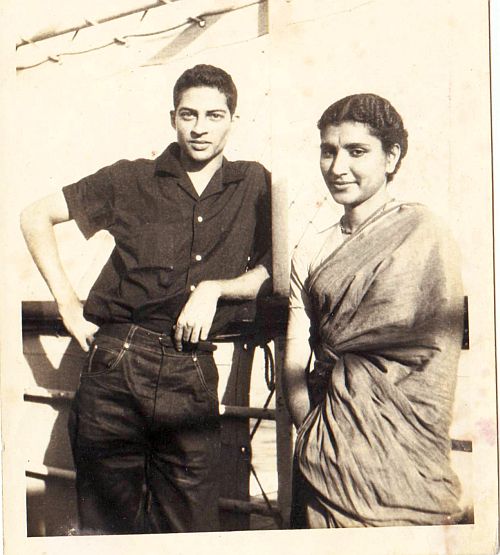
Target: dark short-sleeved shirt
(168, 238)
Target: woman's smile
(355, 165)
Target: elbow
(265, 283)
(32, 220)
(26, 219)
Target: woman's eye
(187, 115)
(327, 154)
(357, 152)
(216, 116)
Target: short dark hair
(374, 111)
(203, 75)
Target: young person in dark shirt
(192, 237)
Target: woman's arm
(294, 372)
(297, 346)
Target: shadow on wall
(50, 503)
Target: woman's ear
(172, 118)
(393, 156)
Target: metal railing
(267, 324)
(260, 326)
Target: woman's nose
(339, 164)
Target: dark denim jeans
(145, 435)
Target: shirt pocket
(146, 256)
(154, 246)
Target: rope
(121, 41)
(276, 515)
(269, 374)
(259, 420)
(269, 367)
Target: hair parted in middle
(203, 75)
(376, 112)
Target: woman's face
(353, 162)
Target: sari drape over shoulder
(387, 328)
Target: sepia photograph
(249, 278)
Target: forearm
(297, 355)
(246, 286)
(296, 393)
(195, 320)
(37, 224)
(39, 235)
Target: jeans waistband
(133, 332)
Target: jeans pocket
(207, 374)
(102, 359)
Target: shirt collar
(168, 163)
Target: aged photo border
(407, 540)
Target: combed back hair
(203, 75)
(376, 112)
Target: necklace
(346, 231)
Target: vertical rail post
(281, 260)
(235, 439)
(284, 438)
(279, 16)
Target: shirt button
(192, 287)
(200, 219)
(198, 257)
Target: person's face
(353, 162)
(202, 121)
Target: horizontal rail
(247, 412)
(248, 507)
(254, 506)
(258, 321)
(463, 445)
(41, 395)
(43, 472)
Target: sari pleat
(387, 326)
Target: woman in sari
(377, 298)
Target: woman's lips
(341, 184)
